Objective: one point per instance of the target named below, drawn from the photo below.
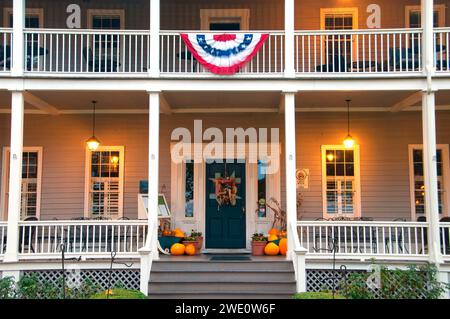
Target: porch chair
(423, 219)
(335, 66)
(97, 63)
(5, 57)
(25, 233)
(445, 237)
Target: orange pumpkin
(273, 231)
(166, 232)
(177, 249)
(190, 250)
(272, 237)
(178, 233)
(283, 234)
(271, 249)
(283, 246)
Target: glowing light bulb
(349, 142)
(93, 143)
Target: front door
(225, 205)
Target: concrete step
(209, 295)
(222, 276)
(219, 287)
(222, 265)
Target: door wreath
(226, 191)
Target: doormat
(229, 257)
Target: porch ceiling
(186, 102)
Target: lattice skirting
(126, 278)
(323, 279)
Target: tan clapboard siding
(384, 139)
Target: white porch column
(289, 28)
(18, 37)
(291, 183)
(430, 175)
(154, 38)
(15, 176)
(428, 42)
(153, 165)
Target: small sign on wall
(302, 176)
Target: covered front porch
(380, 213)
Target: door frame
(197, 222)
(205, 197)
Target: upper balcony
(114, 38)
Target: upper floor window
(31, 182)
(340, 181)
(417, 184)
(225, 19)
(414, 16)
(104, 182)
(338, 47)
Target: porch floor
(207, 258)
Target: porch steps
(206, 279)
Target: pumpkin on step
(273, 231)
(271, 249)
(177, 249)
(283, 246)
(178, 233)
(273, 237)
(190, 250)
(166, 233)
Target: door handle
(243, 210)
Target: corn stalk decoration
(279, 214)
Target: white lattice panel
(127, 278)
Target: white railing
(358, 51)
(6, 36)
(178, 61)
(445, 239)
(441, 44)
(3, 229)
(355, 239)
(86, 237)
(86, 51)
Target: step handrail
(148, 253)
(298, 255)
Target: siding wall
(384, 154)
(264, 14)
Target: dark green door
(225, 205)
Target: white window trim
(445, 175)
(207, 15)
(87, 178)
(351, 10)
(34, 11)
(105, 12)
(437, 7)
(5, 180)
(357, 178)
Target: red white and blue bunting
(224, 54)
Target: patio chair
(25, 233)
(423, 219)
(33, 54)
(5, 57)
(445, 236)
(97, 63)
(336, 65)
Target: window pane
(189, 190)
(330, 170)
(340, 170)
(417, 156)
(339, 156)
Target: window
(340, 181)
(225, 19)
(189, 189)
(104, 183)
(262, 190)
(413, 16)
(417, 180)
(34, 19)
(338, 47)
(31, 182)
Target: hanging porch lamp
(93, 143)
(349, 142)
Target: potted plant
(192, 241)
(199, 237)
(259, 242)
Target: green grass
(119, 293)
(317, 295)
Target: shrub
(318, 295)
(119, 293)
(7, 288)
(417, 282)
